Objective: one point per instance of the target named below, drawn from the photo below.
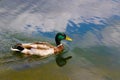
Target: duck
(42, 49)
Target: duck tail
(13, 49)
(17, 48)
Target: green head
(61, 36)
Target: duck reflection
(61, 61)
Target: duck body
(43, 49)
(38, 48)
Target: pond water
(94, 27)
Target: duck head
(61, 36)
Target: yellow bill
(68, 38)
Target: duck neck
(58, 42)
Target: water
(98, 61)
(94, 50)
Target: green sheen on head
(61, 36)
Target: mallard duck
(43, 49)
